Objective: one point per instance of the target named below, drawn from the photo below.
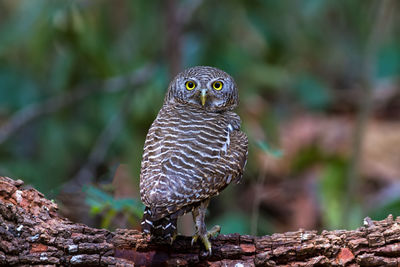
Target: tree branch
(31, 232)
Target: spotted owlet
(193, 150)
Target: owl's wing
(190, 160)
(236, 157)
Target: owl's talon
(194, 239)
(205, 237)
(173, 237)
(207, 243)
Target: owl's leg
(201, 229)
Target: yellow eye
(217, 85)
(190, 85)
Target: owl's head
(202, 87)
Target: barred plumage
(193, 150)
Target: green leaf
(332, 192)
(102, 203)
(277, 153)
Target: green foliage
(102, 203)
(306, 158)
(268, 149)
(333, 192)
(391, 207)
(17, 90)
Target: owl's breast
(181, 151)
(192, 140)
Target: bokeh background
(81, 82)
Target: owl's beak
(203, 96)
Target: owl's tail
(162, 229)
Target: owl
(193, 150)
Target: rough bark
(31, 232)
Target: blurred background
(81, 82)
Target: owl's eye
(190, 85)
(217, 85)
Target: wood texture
(31, 232)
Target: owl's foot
(201, 229)
(204, 237)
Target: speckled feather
(191, 153)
